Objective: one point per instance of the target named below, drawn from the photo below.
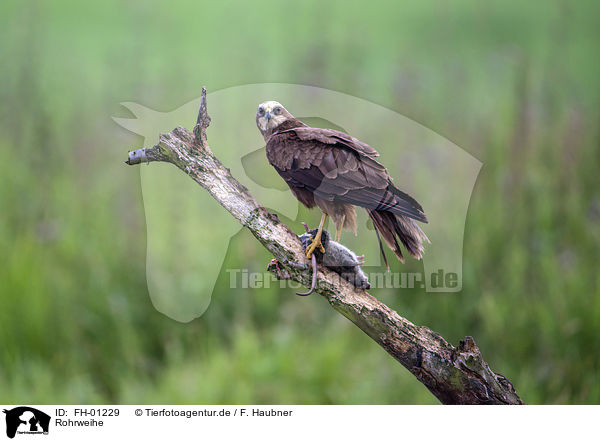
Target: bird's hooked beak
(268, 115)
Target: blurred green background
(516, 84)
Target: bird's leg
(338, 233)
(316, 241)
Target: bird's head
(270, 114)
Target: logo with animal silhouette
(26, 420)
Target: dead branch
(455, 375)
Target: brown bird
(334, 171)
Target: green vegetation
(514, 83)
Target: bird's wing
(334, 137)
(337, 172)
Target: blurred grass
(514, 83)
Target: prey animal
(338, 258)
(334, 171)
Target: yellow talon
(316, 242)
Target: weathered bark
(455, 375)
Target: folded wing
(337, 167)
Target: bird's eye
(277, 110)
(261, 110)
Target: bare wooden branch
(455, 375)
(202, 124)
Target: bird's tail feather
(392, 227)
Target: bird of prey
(336, 172)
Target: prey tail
(392, 227)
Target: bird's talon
(314, 244)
